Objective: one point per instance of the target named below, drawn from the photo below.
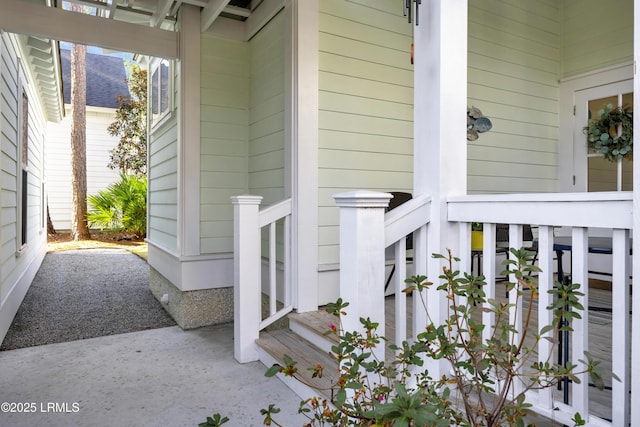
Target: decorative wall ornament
(408, 8)
(612, 133)
(476, 123)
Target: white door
(592, 172)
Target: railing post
(362, 258)
(246, 276)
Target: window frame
(162, 100)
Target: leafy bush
(478, 388)
(122, 206)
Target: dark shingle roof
(105, 79)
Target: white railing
(578, 216)
(248, 285)
(363, 224)
(411, 217)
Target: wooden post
(362, 258)
(246, 277)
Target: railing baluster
(272, 270)
(545, 317)
(580, 335)
(288, 289)
(400, 297)
(489, 272)
(515, 312)
(620, 363)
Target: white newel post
(246, 277)
(362, 258)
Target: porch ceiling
(162, 13)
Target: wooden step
(275, 344)
(313, 326)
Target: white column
(246, 277)
(635, 283)
(304, 152)
(362, 258)
(440, 151)
(189, 132)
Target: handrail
(275, 212)
(603, 210)
(406, 218)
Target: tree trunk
(79, 227)
(50, 228)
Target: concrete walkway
(161, 377)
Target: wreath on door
(612, 133)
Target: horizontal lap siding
(513, 70)
(266, 112)
(365, 106)
(58, 148)
(9, 149)
(163, 185)
(224, 135)
(596, 34)
(13, 267)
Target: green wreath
(612, 133)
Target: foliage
(215, 421)
(123, 205)
(612, 133)
(476, 226)
(130, 155)
(484, 366)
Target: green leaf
(273, 370)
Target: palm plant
(122, 206)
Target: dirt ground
(61, 241)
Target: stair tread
(284, 341)
(317, 321)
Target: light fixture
(407, 9)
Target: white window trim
(164, 115)
(22, 88)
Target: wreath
(612, 133)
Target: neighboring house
(295, 101)
(105, 81)
(31, 97)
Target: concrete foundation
(192, 309)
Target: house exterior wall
(18, 264)
(58, 153)
(163, 185)
(224, 138)
(513, 69)
(266, 112)
(365, 108)
(589, 42)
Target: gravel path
(83, 294)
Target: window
(23, 172)
(161, 88)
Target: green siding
(365, 106)
(266, 112)
(163, 185)
(513, 68)
(224, 135)
(596, 34)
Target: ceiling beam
(39, 20)
(210, 12)
(112, 8)
(161, 11)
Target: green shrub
(122, 206)
(478, 388)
